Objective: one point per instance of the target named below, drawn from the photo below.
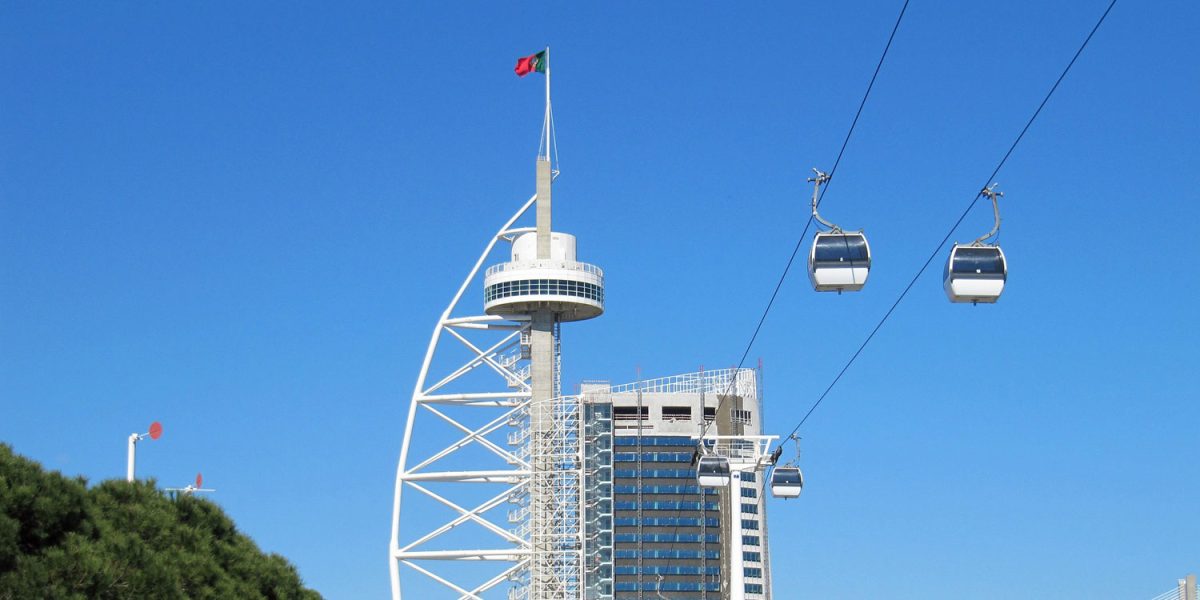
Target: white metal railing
(568, 265)
(720, 381)
(740, 448)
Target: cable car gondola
(713, 472)
(839, 261)
(787, 482)
(976, 272)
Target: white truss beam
(458, 399)
(473, 515)
(482, 508)
(479, 461)
(441, 580)
(476, 436)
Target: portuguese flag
(531, 63)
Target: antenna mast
(131, 456)
(549, 120)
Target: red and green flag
(531, 63)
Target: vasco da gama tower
(506, 488)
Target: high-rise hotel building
(649, 527)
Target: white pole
(737, 575)
(133, 440)
(548, 124)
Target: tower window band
(544, 287)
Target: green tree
(60, 539)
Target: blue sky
(244, 220)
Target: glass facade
(667, 528)
(543, 287)
(655, 532)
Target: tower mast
(549, 114)
(544, 178)
(542, 377)
(525, 300)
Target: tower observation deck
(572, 290)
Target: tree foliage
(60, 539)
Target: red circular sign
(155, 430)
(199, 480)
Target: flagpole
(547, 102)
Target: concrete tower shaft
(543, 286)
(541, 413)
(544, 180)
(546, 580)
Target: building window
(749, 524)
(679, 457)
(630, 413)
(657, 473)
(752, 556)
(740, 417)
(677, 413)
(675, 506)
(668, 522)
(750, 540)
(683, 554)
(667, 570)
(751, 509)
(681, 538)
(686, 490)
(654, 440)
(667, 586)
(541, 287)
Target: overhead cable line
(804, 234)
(961, 217)
(786, 269)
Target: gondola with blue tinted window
(787, 481)
(713, 471)
(839, 260)
(977, 272)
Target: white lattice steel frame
(739, 382)
(479, 414)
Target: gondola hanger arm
(820, 179)
(994, 196)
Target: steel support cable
(927, 262)
(804, 235)
(961, 217)
(735, 504)
(1169, 595)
